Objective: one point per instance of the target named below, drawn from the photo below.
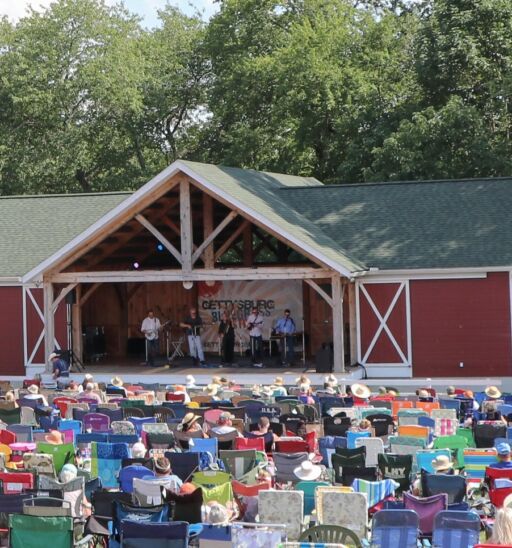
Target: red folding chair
(250, 443)
(30, 382)
(291, 446)
(243, 490)
(169, 396)
(497, 495)
(62, 404)
(16, 482)
(7, 437)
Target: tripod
(74, 360)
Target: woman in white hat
(360, 391)
(441, 464)
(330, 380)
(278, 387)
(307, 471)
(117, 382)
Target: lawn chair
(291, 446)
(139, 421)
(239, 463)
(33, 531)
(348, 474)
(376, 491)
(123, 427)
(329, 535)
(73, 491)
(160, 441)
(61, 403)
(456, 444)
(374, 447)
(353, 436)
(10, 416)
(497, 493)
(155, 514)
(414, 431)
(395, 529)
(327, 446)
(425, 457)
(282, 507)
(47, 507)
(285, 464)
(225, 441)
(350, 457)
(382, 425)
(216, 485)
(410, 417)
(204, 445)
(257, 443)
(309, 489)
(486, 433)
(454, 486)
(62, 454)
(183, 464)
(456, 529)
(23, 432)
(451, 403)
(106, 459)
(369, 411)
(163, 535)
(396, 467)
(476, 462)
(406, 445)
(16, 482)
(445, 427)
(114, 414)
(185, 507)
(396, 405)
(128, 473)
(336, 426)
(426, 508)
(335, 506)
(444, 413)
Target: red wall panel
(465, 321)
(11, 331)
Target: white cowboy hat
(307, 471)
(493, 392)
(52, 355)
(33, 389)
(331, 378)
(117, 381)
(442, 462)
(360, 391)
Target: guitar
(152, 334)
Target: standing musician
(151, 328)
(254, 324)
(285, 327)
(227, 332)
(192, 323)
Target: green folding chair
(456, 444)
(309, 488)
(34, 531)
(239, 462)
(62, 454)
(468, 434)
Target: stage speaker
(324, 358)
(71, 297)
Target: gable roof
(415, 225)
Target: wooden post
(337, 324)
(49, 322)
(352, 318)
(248, 255)
(76, 312)
(185, 227)
(209, 252)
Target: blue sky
(147, 9)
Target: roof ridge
(410, 182)
(66, 195)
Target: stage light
(160, 247)
(136, 265)
(210, 283)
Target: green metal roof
(34, 227)
(412, 225)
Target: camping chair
(445, 426)
(257, 443)
(62, 454)
(369, 411)
(455, 443)
(163, 414)
(216, 485)
(376, 491)
(327, 446)
(185, 507)
(135, 534)
(282, 507)
(353, 436)
(106, 461)
(128, 473)
(443, 413)
(309, 489)
(468, 434)
(225, 441)
(414, 431)
(454, 486)
(425, 457)
(7, 437)
(139, 421)
(497, 493)
(382, 424)
(61, 403)
(73, 491)
(183, 438)
(406, 445)
(374, 447)
(336, 506)
(132, 412)
(47, 507)
(329, 535)
(16, 482)
(336, 426)
(122, 427)
(486, 433)
(291, 446)
(395, 529)
(348, 474)
(10, 416)
(427, 406)
(476, 462)
(27, 531)
(350, 457)
(121, 511)
(23, 432)
(239, 463)
(204, 445)
(160, 441)
(183, 464)
(409, 417)
(426, 508)
(114, 414)
(396, 405)
(285, 463)
(456, 529)
(396, 467)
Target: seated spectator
(303, 379)
(138, 450)
(492, 393)
(442, 464)
(60, 368)
(491, 413)
(307, 471)
(305, 394)
(423, 395)
(180, 389)
(504, 456)
(360, 391)
(212, 391)
(189, 424)
(190, 381)
(264, 429)
(450, 391)
(117, 382)
(330, 380)
(33, 394)
(502, 528)
(68, 473)
(89, 394)
(9, 396)
(330, 390)
(225, 424)
(278, 388)
(217, 514)
(88, 378)
(164, 475)
(267, 393)
(54, 437)
(363, 425)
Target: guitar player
(151, 328)
(254, 324)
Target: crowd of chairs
(363, 493)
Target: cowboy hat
(278, 381)
(307, 471)
(216, 380)
(116, 381)
(303, 379)
(54, 437)
(225, 416)
(442, 462)
(360, 391)
(33, 389)
(423, 394)
(331, 378)
(52, 355)
(492, 392)
(190, 418)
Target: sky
(14, 9)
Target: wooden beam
(160, 237)
(230, 241)
(337, 324)
(327, 298)
(209, 251)
(247, 246)
(62, 295)
(186, 227)
(352, 318)
(261, 273)
(87, 294)
(209, 240)
(77, 324)
(132, 291)
(49, 322)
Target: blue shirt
(285, 325)
(60, 366)
(502, 464)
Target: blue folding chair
(138, 422)
(204, 445)
(426, 421)
(454, 529)
(23, 432)
(183, 464)
(425, 457)
(353, 436)
(395, 529)
(135, 534)
(179, 409)
(122, 512)
(128, 473)
(327, 447)
(129, 439)
(69, 424)
(509, 433)
(450, 403)
(49, 423)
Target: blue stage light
(160, 247)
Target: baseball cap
(503, 448)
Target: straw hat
(116, 381)
(442, 462)
(33, 389)
(278, 381)
(211, 389)
(493, 392)
(303, 379)
(54, 437)
(190, 419)
(307, 471)
(225, 416)
(360, 391)
(331, 379)
(423, 394)
(52, 356)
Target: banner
(237, 299)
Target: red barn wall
(464, 320)
(11, 331)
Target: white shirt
(256, 319)
(149, 327)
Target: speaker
(71, 297)
(324, 359)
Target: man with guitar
(254, 324)
(192, 325)
(151, 328)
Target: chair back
(239, 463)
(396, 467)
(453, 486)
(445, 426)
(476, 462)
(350, 457)
(154, 514)
(135, 534)
(282, 507)
(257, 443)
(128, 473)
(16, 482)
(427, 406)
(352, 437)
(309, 490)
(183, 464)
(443, 413)
(456, 529)
(285, 464)
(291, 446)
(113, 414)
(73, 491)
(62, 454)
(497, 492)
(395, 528)
(426, 508)
(396, 405)
(106, 460)
(376, 491)
(336, 506)
(186, 507)
(382, 424)
(336, 426)
(414, 431)
(28, 531)
(374, 447)
(204, 445)
(485, 433)
(425, 457)
(327, 446)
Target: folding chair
(154, 514)
(62, 454)
(239, 463)
(374, 447)
(225, 441)
(27, 531)
(455, 443)
(426, 508)
(350, 457)
(382, 424)
(106, 461)
(336, 506)
(396, 405)
(396, 467)
(10, 416)
(487, 432)
(73, 492)
(445, 426)
(497, 492)
(160, 441)
(352, 437)
(183, 464)
(414, 431)
(456, 529)
(406, 445)
(47, 507)
(291, 446)
(327, 446)
(395, 529)
(349, 474)
(16, 482)
(129, 473)
(375, 491)
(427, 406)
(257, 443)
(282, 507)
(336, 426)
(286, 463)
(163, 535)
(309, 489)
(216, 485)
(454, 486)
(204, 445)
(476, 462)
(425, 457)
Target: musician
(285, 327)
(192, 324)
(254, 324)
(151, 329)
(227, 332)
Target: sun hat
(190, 418)
(54, 437)
(307, 471)
(216, 380)
(423, 394)
(360, 391)
(303, 379)
(278, 381)
(492, 392)
(442, 462)
(503, 449)
(33, 389)
(116, 381)
(52, 355)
